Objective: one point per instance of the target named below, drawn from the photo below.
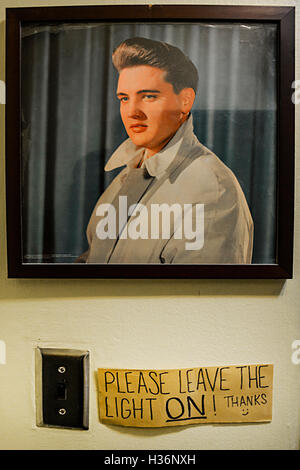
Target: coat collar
(129, 154)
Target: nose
(135, 110)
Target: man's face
(150, 109)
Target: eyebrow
(139, 92)
(148, 91)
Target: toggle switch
(61, 391)
(62, 388)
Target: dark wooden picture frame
(283, 17)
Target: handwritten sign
(156, 398)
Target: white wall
(148, 324)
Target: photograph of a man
(174, 201)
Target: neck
(150, 152)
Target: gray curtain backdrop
(71, 123)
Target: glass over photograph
(149, 143)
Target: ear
(187, 96)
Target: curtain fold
(71, 122)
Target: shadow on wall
(2, 50)
(58, 288)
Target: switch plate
(62, 388)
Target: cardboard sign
(156, 398)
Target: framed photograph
(150, 142)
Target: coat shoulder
(205, 173)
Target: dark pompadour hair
(180, 70)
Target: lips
(137, 128)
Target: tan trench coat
(184, 172)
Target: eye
(123, 99)
(149, 97)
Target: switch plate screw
(62, 411)
(61, 369)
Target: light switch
(62, 388)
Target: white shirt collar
(129, 154)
